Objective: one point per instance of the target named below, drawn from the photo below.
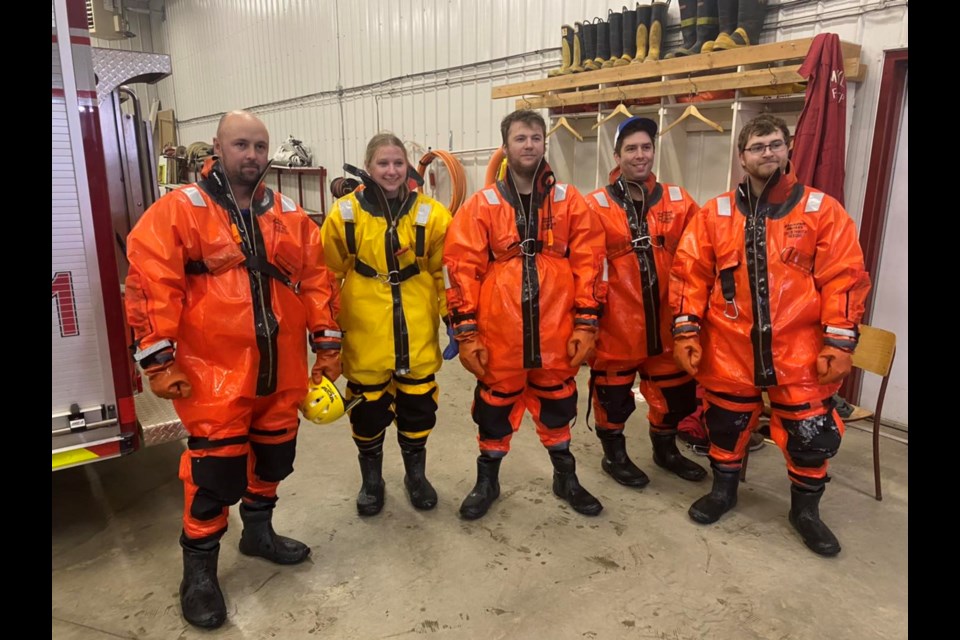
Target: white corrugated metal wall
(333, 73)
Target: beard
(246, 176)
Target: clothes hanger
(565, 124)
(692, 110)
(620, 110)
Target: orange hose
(458, 177)
(493, 167)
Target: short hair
(383, 139)
(762, 125)
(526, 116)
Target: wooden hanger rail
(692, 110)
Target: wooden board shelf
(715, 71)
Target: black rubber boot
(616, 462)
(805, 518)
(658, 22)
(726, 22)
(603, 42)
(589, 31)
(566, 51)
(567, 486)
(688, 28)
(667, 456)
(708, 24)
(421, 492)
(201, 600)
(750, 15)
(629, 37)
(485, 492)
(370, 498)
(644, 13)
(259, 538)
(615, 20)
(721, 498)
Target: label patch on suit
(491, 196)
(813, 202)
(601, 199)
(423, 214)
(723, 206)
(346, 210)
(195, 198)
(559, 193)
(674, 192)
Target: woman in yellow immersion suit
(384, 242)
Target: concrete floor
(532, 568)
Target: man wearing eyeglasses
(642, 220)
(767, 289)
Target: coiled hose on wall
(458, 177)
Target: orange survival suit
(767, 283)
(231, 296)
(635, 330)
(521, 273)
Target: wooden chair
(875, 352)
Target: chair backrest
(875, 350)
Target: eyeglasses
(774, 146)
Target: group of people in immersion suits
(761, 289)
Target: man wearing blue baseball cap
(642, 221)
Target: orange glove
(833, 365)
(687, 352)
(581, 345)
(168, 381)
(327, 366)
(473, 355)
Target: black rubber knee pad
(274, 462)
(617, 400)
(558, 412)
(416, 412)
(724, 426)
(812, 440)
(681, 402)
(494, 422)
(373, 416)
(221, 482)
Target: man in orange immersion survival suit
(226, 278)
(642, 221)
(770, 279)
(523, 259)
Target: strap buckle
(645, 242)
(526, 251)
(391, 277)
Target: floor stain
(606, 563)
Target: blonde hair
(386, 139)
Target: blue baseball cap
(634, 124)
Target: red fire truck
(103, 178)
